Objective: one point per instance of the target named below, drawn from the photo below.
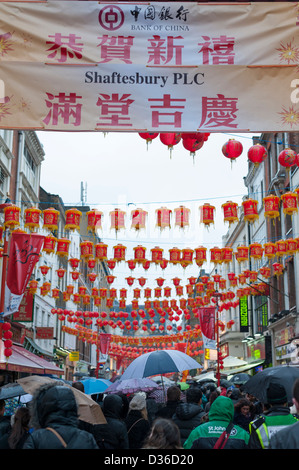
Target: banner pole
(3, 279)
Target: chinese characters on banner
(148, 67)
(207, 324)
(25, 311)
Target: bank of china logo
(111, 17)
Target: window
(29, 160)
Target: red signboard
(43, 332)
(25, 312)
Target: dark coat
(55, 406)
(287, 438)
(168, 410)
(5, 425)
(113, 412)
(138, 429)
(187, 417)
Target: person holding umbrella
(288, 438)
(276, 418)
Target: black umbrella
(283, 375)
(240, 378)
(11, 391)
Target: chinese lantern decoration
(216, 278)
(45, 288)
(138, 219)
(117, 218)
(147, 293)
(66, 296)
(119, 252)
(55, 293)
(94, 220)
(139, 254)
(256, 250)
(86, 299)
(82, 290)
(51, 216)
(176, 281)
(33, 286)
(110, 278)
(163, 263)
(291, 246)
(94, 292)
(11, 217)
(242, 278)
(62, 247)
(76, 298)
(280, 248)
(49, 244)
(32, 216)
(92, 277)
(157, 292)
(287, 158)
(278, 269)
(265, 272)
(60, 272)
(271, 206)
(230, 212)
(146, 264)
(7, 337)
(174, 255)
(101, 251)
(289, 203)
(75, 275)
(103, 292)
(44, 269)
(207, 213)
(160, 281)
(232, 149)
(157, 254)
(199, 287)
(250, 210)
(222, 284)
(136, 293)
(163, 218)
(257, 154)
(131, 264)
(269, 250)
(111, 263)
(113, 293)
(74, 262)
(167, 291)
(142, 281)
(227, 254)
(72, 219)
(91, 262)
(182, 217)
(242, 253)
(86, 249)
(148, 136)
(170, 139)
(200, 255)
(187, 256)
(130, 280)
(253, 276)
(193, 142)
(70, 289)
(216, 255)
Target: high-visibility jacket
(266, 426)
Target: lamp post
(4, 268)
(217, 295)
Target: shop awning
(22, 360)
(243, 368)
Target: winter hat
(138, 402)
(276, 394)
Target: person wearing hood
(113, 412)
(54, 418)
(137, 421)
(221, 415)
(189, 415)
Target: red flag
(23, 256)
(105, 339)
(207, 324)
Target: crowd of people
(201, 417)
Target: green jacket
(220, 415)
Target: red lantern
(139, 254)
(74, 262)
(256, 250)
(257, 154)
(60, 272)
(70, 289)
(33, 286)
(92, 277)
(147, 293)
(250, 210)
(232, 149)
(265, 272)
(174, 255)
(117, 218)
(187, 256)
(271, 205)
(111, 263)
(72, 219)
(130, 280)
(11, 216)
(62, 247)
(103, 292)
(119, 252)
(75, 275)
(146, 264)
(216, 255)
(55, 293)
(32, 216)
(51, 216)
(287, 158)
(227, 254)
(200, 255)
(136, 293)
(142, 281)
(44, 269)
(230, 211)
(280, 248)
(131, 264)
(76, 298)
(242, 253)
(45, 288)
(163, 218)
(101, 251)
(170, 139)
(182, 217)
(291, 246)
(207, 214)
(191, 143)
(110, 278)
(94, 220)
(49, 244)
(199, 286)
(148, 136)
(82, 290)
(269, 250)
(278, 269)
(138, 219)
(289, 203)
(157, 292)
(86, 249)
(157, 254)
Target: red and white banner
(23, 255)
(105, 339)
(207, 324)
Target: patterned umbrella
(132, 386)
